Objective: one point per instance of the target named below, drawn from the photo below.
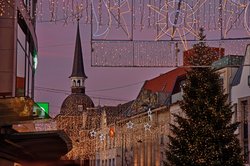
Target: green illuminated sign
(41, 110)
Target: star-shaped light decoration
(102, 137)
(130, 125)
(123, 6)
(175, 19)
(116, 9)
(147, 126)
(233, 14)
(93, 133)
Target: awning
(34, 146)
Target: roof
(156, 90)
(228, 61)
(75, 104)
(78, 67)
(164, 82)
(114, 113)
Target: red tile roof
(164, 82)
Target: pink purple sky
(106, 86)
(55, 59)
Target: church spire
(78, 75)
(78, 67)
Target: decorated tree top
(204, 135)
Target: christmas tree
(204, 134)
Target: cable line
(68, 93)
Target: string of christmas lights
(88, 141)
(166, 15)
(175, 21)
(152, 54)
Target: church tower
(77, 115)
(78, 75)
(77, 102)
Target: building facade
(20, 143)
(18, 48)
(76, 116)
(240, 98)
(134, 133)
(140, 139)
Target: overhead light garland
(153, 54)
(172, 19)
(116, 39)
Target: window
(235, 113)
(110, 162)
(24, 64)
(245, 129)
(20, 78)
(31, 82)
(221, 82)
(249, 80)
(107, 141)
(80, 108)
(114, 142)
(98, 162)
(21, 61)
(21, 37)
(245, 112)
(27, 64)
(245, 151)
(162, 140)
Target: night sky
(55, 58)
(117, 85)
